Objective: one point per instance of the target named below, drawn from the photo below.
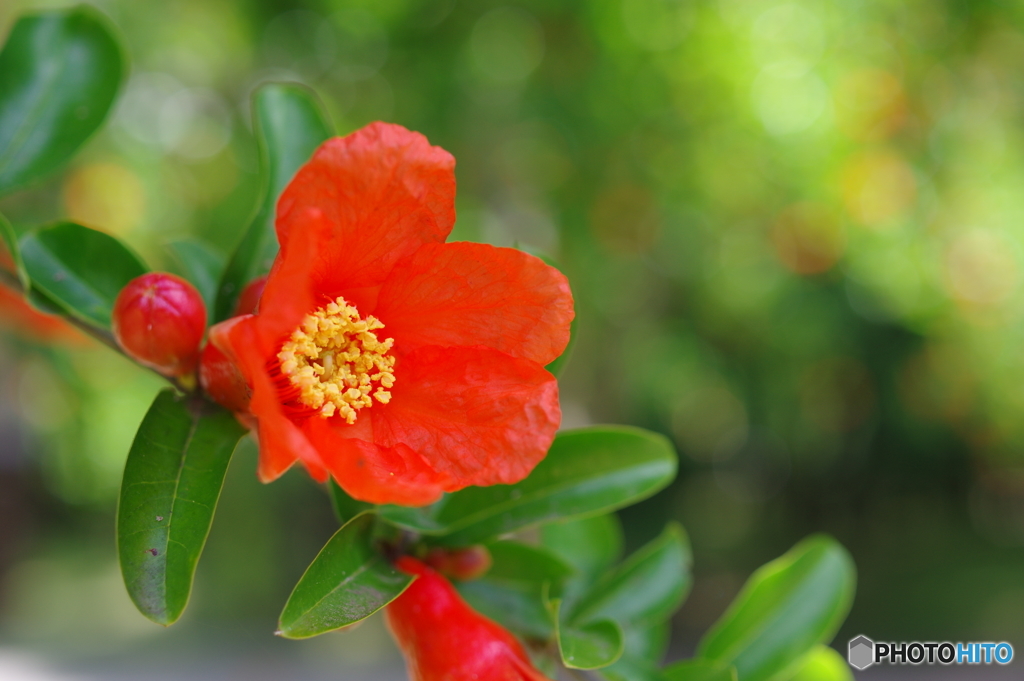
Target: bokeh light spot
(788, 40)
(106, 196)
(871, 104)
(625, 219)
(786, 104)
(878, 187)
(808, 238)
(506, 45)
(981, 268)
(657, 25)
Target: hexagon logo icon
(862, 653)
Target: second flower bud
(159, 320)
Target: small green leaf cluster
(557, 581)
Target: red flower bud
(159, 321)
(462, 564)
(443, 639)
(249, 301)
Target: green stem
(11, 281)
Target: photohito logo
(863, 652)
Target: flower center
(337, 363)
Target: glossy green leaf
(172, 481)
(648, 587)
(10, 242)
(519, 606)
(514, 561)
(699, 670)
(59, 74)
(628, 670)
(348, 581)
(586, 471)
(785, 609)
(345, 507)
(589, 646)
(201, 265)
(591, 545)
(289, 123)
(515, 591)
(643, 649)
(822, 664)
(80, 269)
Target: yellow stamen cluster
(336, 361)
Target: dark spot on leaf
(152, 551)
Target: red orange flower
(399, 364)
(443, 639)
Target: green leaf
(345, 507)
(587, 471)
(648, 587)
(514, 592)
(519, 606)
(80, 269)
(785, 609)
(628, 670)
(201, 265)
(590, 646)
(348, 581)
(59, 73)
(172, 481)
(644, 648)
(289, 123)
(591, 545)
(10, 241)
(822, 664)
(513, 561)
(699, 670)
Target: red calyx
(222, 380)
(159, 320)
(465, 564)
(443, 639)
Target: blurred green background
(794, 232)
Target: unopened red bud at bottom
(159, 320)
(443, 639)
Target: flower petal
(475, 414)
(368, 472)
(383, 190)
(465, 294)
(281, 441)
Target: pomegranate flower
(401, 365)
(443, 639)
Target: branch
(11, 281)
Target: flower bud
(159, 321)
(443, 639)
(463, 564)
(249, 300)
